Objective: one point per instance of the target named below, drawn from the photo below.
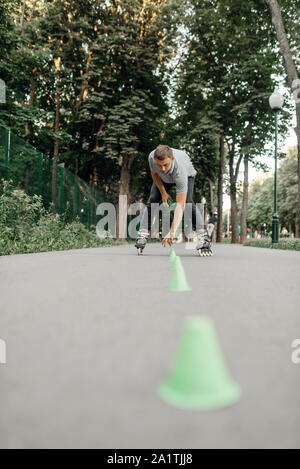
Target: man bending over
(171, 167)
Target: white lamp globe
(276, 100)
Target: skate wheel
(204, 253)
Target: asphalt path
(91, 333)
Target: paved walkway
(91, 333)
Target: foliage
(261, 195)
(290, 244)
(26, 226)
(225, 75)
(102, 66)
(126, 75)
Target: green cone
(172, 255)
(178, 280)
(199, 378)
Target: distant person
(213, 220)
(171, 167)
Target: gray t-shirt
(181, 169)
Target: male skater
(171, 167)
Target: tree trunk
(57, 126)
(22, 17)
(33, 10)
(31, 96)
(27, 177)
(244, 211)
(83, 93)
(234, 217)
(77, 164)
(291, 71)
(220, 192)
(233, 174)
(211, 195)
(78, 160)
(297, 131)
(121, 222)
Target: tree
(219, 236)
(289, 62)
(138, 38)
(228, 64)
(261, 196)
(87, 84)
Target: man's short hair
(162, 152)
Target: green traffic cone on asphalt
(178, 280)
(172, 255)
(199, 378)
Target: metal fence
(33, 171)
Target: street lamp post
(276, 102)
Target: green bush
(286, 243)
(26, 226)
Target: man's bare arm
(180, 204)
(159, 184)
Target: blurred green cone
(199, 378)
(172, 255)
(178, 280)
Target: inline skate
(203, 243)
(141, 241)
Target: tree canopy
(97, 85)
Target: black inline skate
(141, 241)
(203, 243)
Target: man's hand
(165, 198)
(168, 239)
